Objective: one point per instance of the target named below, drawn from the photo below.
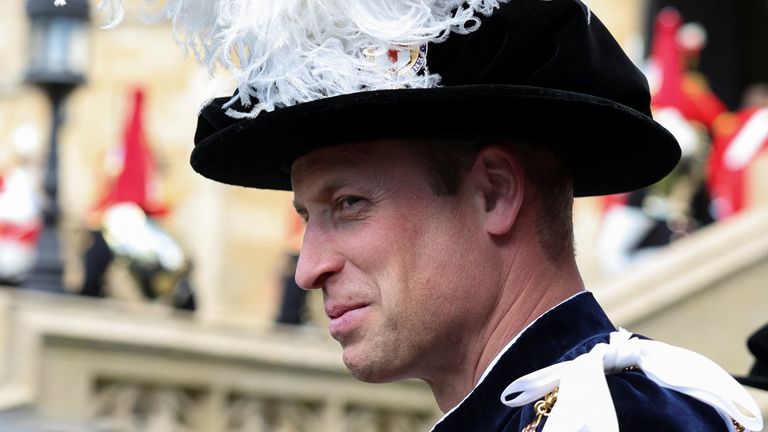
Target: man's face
(400, 268)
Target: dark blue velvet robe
(561, 334)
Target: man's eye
(348, 202)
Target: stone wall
(106, 365)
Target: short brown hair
(448, 161)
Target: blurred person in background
(740, 141)
(758, 346)
(125, 225)
(293, 300)
(637, 224)
(20, 207)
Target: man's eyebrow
(324, 191)
(322, 194)
(330, 187)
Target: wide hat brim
(610, 147)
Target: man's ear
(498, 177)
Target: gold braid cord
(542, 408)
(737, 426)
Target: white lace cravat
(584, 402)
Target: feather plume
(285, 52)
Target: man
(434, 149)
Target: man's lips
(345, 319)
(337, 310)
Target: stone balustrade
(134, 367)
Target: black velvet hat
(537, 71)
(758, 346)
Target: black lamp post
(58, 60)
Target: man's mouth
(345, 318)
(337, 310)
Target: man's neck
(532, 294)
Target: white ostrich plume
(285, 52)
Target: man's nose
(318, 260)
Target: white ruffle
(584, 402)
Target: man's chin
(367, 370)
(371, 377)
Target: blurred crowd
(719, 147)
(124, 227)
